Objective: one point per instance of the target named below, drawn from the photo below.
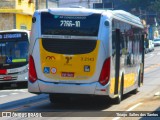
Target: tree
(155, 6)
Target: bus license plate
(7, 78)
(67, 74)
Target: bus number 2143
(87, 59)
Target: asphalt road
(137, 106)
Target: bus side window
(113, 43)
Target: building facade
(42, 4)
(16, 14)
(83, 3)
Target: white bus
(14, 46)
(77, 51)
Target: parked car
(146, 49)
(157, 42)
(151, 45)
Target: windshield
(70, 25)
(13, 50)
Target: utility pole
(57, 3)
(47, 4)
(52, 1)
(36, 4)
(88, 3)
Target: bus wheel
(134, 91)
(118, 99)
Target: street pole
(36, 4)
(88, 3)
(57, 3)
(47, 4)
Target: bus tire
(134, 91)
(118, 99)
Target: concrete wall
(25, 6)
(51, 4)
(7, 4)
(23, 21)
(7, 21)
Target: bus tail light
(32, 70)
(105, 73)
(3, 71)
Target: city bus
(78, 51)
(14, 46)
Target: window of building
(23, 27)
(19, 2)
(29, 2)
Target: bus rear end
(66, 56)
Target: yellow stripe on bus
(129, 80)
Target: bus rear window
(70, 47)
(69, 25)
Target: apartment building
(16, 14)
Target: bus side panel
(130, 57)
(35, 31)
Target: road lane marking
(133, 107)
(116, 118)
(23, 90)
(15, 90)
(130, 109)
(14, 93)
(3, 96)
(157, 94)
(151, 67)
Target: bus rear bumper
(49, 87)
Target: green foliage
(139, 3)
(155, 6)
(148, 5)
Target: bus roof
(117, 14)
(126, 16)
(15, 30)
(71, 11)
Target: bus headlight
(24, 71)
